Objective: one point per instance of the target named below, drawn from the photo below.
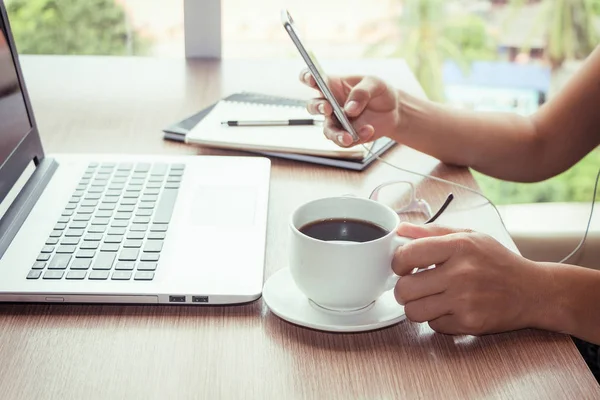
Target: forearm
(501, 145)
(572, 297)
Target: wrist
(555, 294)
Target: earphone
(565, 259)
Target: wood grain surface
(106, 104)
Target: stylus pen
(270, 123)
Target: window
(98, 27)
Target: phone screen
(317, 72)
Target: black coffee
(350, 230)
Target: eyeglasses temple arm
(442, 209)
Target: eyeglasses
(401, 196)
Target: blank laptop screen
(14, 120)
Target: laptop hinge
(21, 207)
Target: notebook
(305, 144)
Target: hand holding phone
(318, 75)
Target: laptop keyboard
(114, 225)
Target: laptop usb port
(176, 299)
(199, 299)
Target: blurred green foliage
(575, 184)
(97, 27)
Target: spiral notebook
(303, 143)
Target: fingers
(446, 324)
(407, 229)
(421, 285)
(343, 138)
(422, 253)
(430, 308)
(307, 79)
(360, 95)
(319, 107)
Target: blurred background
(506, 55)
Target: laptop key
(89, 203)
(109, 247)
(143, 213)
(129, 202)
(159, 169)
(142, 167)
(153, 246)
(159, 227)
(71, 206)
(85, 254)
(153, 185)
(81, 263)
(100, 221)
(93, 196)
(116, 186)
(125, 265)
(141, 220)
(171, 185)
(48, 249)
(67, 213)
(96, 189)
(112, 199)
(34, 274)
(69, 240)
(121, 173)
(93, 236)
(149, 197)
(128, 255)
(103, 214)
(144, 276)
(146, 266)
(78, 225)
(149, 257)
(135, 235)
(131, 195)
(123, 215)
(43, 257)
(76, 274)
(124, 166)
(138, 227)
(82, 217)
(64, 219)
(113, 193)
(126, 208)
(118, 179)
(158, 179)
(104, 260)
(175, 172)
(66, 249)
(106, 206)
(165, 206)
(74, 232)
(133, 243)
(38, 265)
(97, 229)
(60, 261)
(56, 234)
(113, 239)
(98, 275)
(60, 226)
(121, 275)
(134, 188)
(89, 245)
(78, 193)
(52, 240)
(147, 205)
(121, 223)
(116, 231)
(54, 274)
(173, 179)
(86, 210)
(177, 166)
(156, 235)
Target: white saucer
(285, 300)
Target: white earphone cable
(581, 242)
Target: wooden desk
(151, 352)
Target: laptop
(79, 228)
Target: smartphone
(317, 73)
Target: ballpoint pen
(286, 122)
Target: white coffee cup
(341, 275)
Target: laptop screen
(14, 120)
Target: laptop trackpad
(223, 206)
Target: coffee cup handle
(396, 242)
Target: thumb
(360, 95)
(413, 231)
